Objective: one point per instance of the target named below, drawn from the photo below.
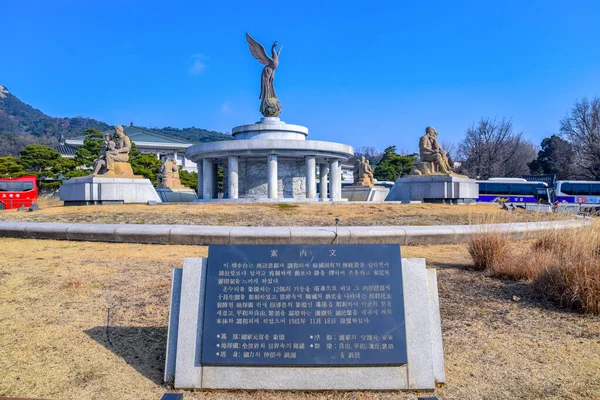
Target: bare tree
(11, 145)
(370, 153)
(582, 129)
(493, 149)
(451, 149)
(367, 151)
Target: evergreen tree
(189, 179)
(146, 165)
(10, 167)
(41, 160)
(92, 145)
(556, 157)
(393, 166)
(134, 152)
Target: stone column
(200, 180)
(311, 177)
(207, 179)
(323, 181)
(272, 182)
(339, 181)
(232, 177)
(335, 180)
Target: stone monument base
(449, 189)
(90, 190)
(365, 193)
(423, 371)
(176, 195)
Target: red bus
(17, 192)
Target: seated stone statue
(165, 173)
(369, 171)
(109, 145)
(176, 172)
(363, 174)
(169, 174)
(114, 157)
(432, 158)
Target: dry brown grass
(570, 274)
(54, 344)
(487, 249)
(241, 214)
(562, 266)
(519, 264)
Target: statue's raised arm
(269, 106)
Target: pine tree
(92, 145)
(393, 166)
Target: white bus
(513, 190)
(586, 193)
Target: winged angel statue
(269, 105)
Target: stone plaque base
(365, 193)
(425, 366)
(434, 189)
(181, 195)
(90, 190)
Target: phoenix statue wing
(257, 50)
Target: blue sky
(365, 73)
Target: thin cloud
(198, 64)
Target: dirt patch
(279, 214)
(56, 297)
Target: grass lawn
(499, 341)
(279, 214)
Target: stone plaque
(304, 305)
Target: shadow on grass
(447, 265)
(483, 287)
(141, 347)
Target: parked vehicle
(513, 190)
(17, 192)
(582, 193)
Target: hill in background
(21, 124)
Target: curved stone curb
(204, 235)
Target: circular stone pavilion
(270, 160)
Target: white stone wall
(253, 174)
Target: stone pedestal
(122, 170)
(187, 333)
(89, 190)
(363, 180)
(449, 189)
(176, 195)
(364, 193)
